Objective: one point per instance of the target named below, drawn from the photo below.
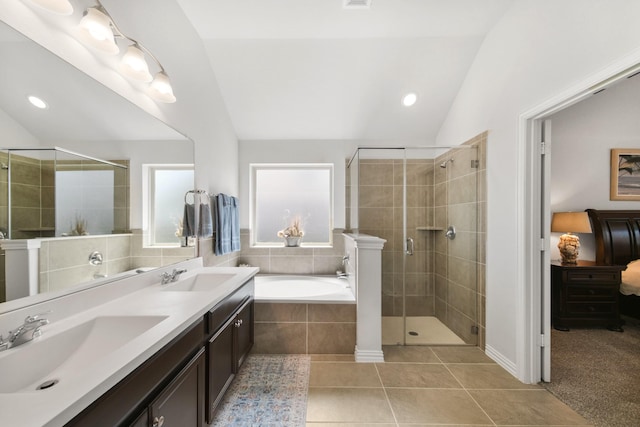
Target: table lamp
(570, 222)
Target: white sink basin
(60, 356)
(199, 283)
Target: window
(164, 191)
(282, 194)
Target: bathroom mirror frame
(84, 125)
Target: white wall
(13, 134)
(538, 50)
(583, 136)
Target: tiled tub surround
(321, 261)
(282, 328)
(64, 261)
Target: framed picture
(625, 174)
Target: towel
(205, 228)
(188, 220)
(227, 225)
(235, 225)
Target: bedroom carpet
(597, 373)
(269, 390)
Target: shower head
(443, 165)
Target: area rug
(269, 390)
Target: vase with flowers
(293, 233)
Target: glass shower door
(409, 197)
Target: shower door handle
(409, 246)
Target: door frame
(532, 281)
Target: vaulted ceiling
(311, 69)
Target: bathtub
(303, 289)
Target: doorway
(537, 347)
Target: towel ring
(200, 193)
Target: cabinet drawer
(591, 308)
(583, 292)
(219, 314)
(582, 276)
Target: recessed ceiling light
(409, 99)
(37, 102)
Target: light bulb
(134, 65)
(160, 89)
(95, 31)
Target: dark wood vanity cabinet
(183, 383)
(128, 402)
(181, 403)
(231, 339)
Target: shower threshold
(420, 330)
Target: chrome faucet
(29, 330)
(173, 276)
(345, 259)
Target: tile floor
(427, 386)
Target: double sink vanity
(158, 348)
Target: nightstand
(585, 294)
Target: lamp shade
(134, 65)
(160, 89)
(59, 7)
(95, 31)
(571, 222)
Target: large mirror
(81, 116)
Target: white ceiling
(309, 69)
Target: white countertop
(59, 404)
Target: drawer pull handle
(158, 421)
(238, 323)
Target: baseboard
(369, 356)
(507, 364)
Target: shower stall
(53, 192)
(424, 202)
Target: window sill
(280, 246)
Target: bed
(617, 235)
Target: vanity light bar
(98, 31)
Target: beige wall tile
(376, 173)
(70, 277)
(291, 264)
(332, 338)
(118, 247)
(280, 338)
(332, 312)
(327, 265)
(74, 252)
(276, 312)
